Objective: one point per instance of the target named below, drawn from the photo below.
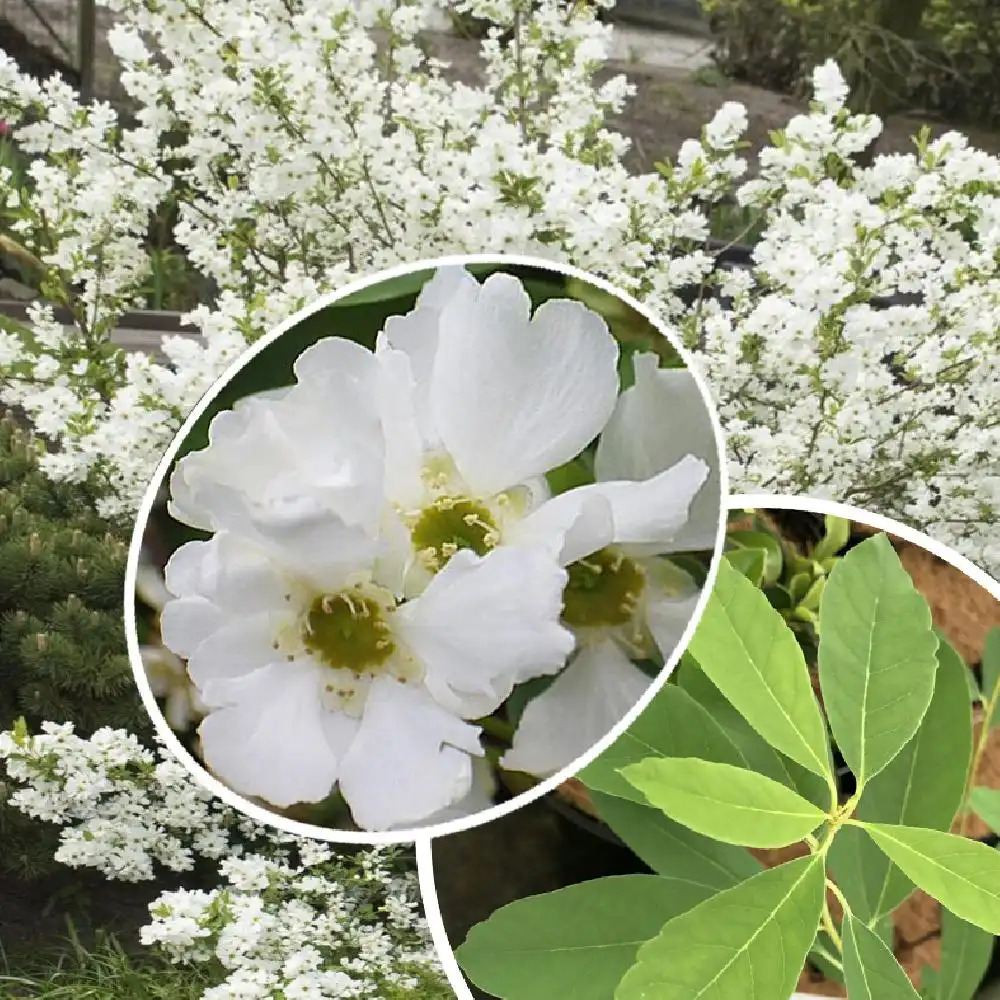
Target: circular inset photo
(424, 548)
(810, 803)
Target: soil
(36, 915)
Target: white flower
(829, 87)
(315, 675)
(271, 449)
(624, 601)
(480, 400)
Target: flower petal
(658, 421)
(480, 796)
(309, 543)
(513, 398)
(584, 703)
(333, 424)
(485, 624)
(404, 441)
(319, 446)
(232, 573)
(340, 367)
(569, 526)
(443, 287)
(240, 646)
(271, 742)
(411, 758)
(671, 599)
(653, 512)
(187, 622)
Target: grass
(106, 971)
(102, 971)
(710, 76)
(430, 986)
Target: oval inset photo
(425, 548)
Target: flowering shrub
(306, 142)
(289, 917)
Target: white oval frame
(268, 818)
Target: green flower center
(603, 590)
(348, 631)
(450, 524)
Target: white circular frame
(764, 501)
(264, 816)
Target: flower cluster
(857, 359)
(299, 929)
(289, 917)
(299, 144)
(125, 809)
(369, 592)
(296, 144)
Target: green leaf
(975, 695)
(991, 675)
(929, 981)
(985, 803)
(814, 594)
(750, 562)
(754, 659)
(923, 786)
(871, 972)
(747, 943)
(799, 586)
(765, 542)
(569, 476)
(876, 656)
(966, 951)
(575, 942)
(817, 958)
(726, 803)
(963, 875)
(673, 724)
(401, 286)
(759, 755)
(671, 849)
(837, 535)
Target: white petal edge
(512, 398)
(485, 624)
(569, 526)
(656, 422)
(668, 616)
(272, 742)
(654, 512)
(410, 759)
(584, 703)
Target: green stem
(977, 757)
(497, 728)
(830, 927)
(832, 959)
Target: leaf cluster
(736, 754)
(792, 580)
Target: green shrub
(934, 55)
(62, 639)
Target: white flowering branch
(289, 917)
